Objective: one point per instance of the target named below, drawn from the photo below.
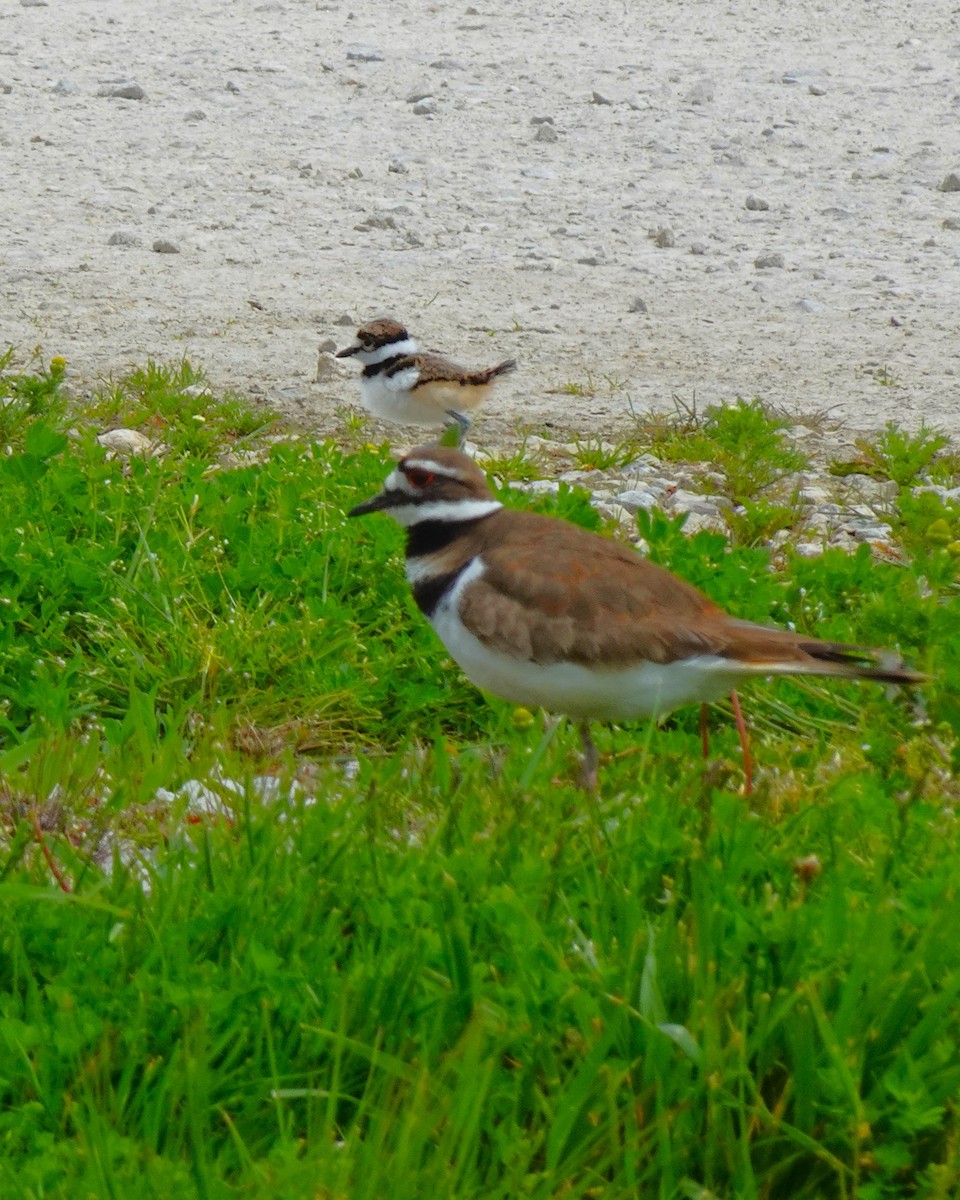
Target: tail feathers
(857, 662)
(491, 373)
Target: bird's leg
(744, 745)
(461, 423)
(705, 730)
(590, 760)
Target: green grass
(443, 973)
(745, 440)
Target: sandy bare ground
(303, 186)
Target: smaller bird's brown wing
(554, 593)
(435, 369)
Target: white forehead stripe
(390, 350)
(426, 464)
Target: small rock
(698, 248)
(546, 133)
(538, 172)
(638, 305)
(766, 261)
(397, 166)
(697, 522)
(162, 246)
(33, 3)
(589, 260)
(327, 346)
(664, 238)
(539, 487)
(63, 87)
(126, 442)
(756, 204)
(6, 89)
(950, 223)
(817, 89)
(636, 498)
(346, 319)
(951, 183)
(233, 87)
(359, 52)
(599, 98)
(702, 92)
(328, 367)
(424, 108)
(541, 120)
(811, 306)
(123, 91)
(420, 93)
(123, 237)
(195, 114)
(355, 173)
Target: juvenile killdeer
(401, 384)
(543, 613)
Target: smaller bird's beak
(375, 504)
(348, 350)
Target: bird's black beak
(375, 504)
(348, 350)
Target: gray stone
(636, 498)
(123, 237)
(698, 522)
(638, 305)
(397, 166)
(817, 89)
(346, 319)
(811, 306)
(599, 98)
(123, 91)
(63, 87)
(951, 183)
(664, 238)
(162, 246)
(698, 248)
(546, 133)
(765, 261)
(702, 92)
(232, 86)
(420, 93)
(195, 114)
(756, 204)
(360, 52)
(424, 108)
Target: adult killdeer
(401, 384)
(543, 613)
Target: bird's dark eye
(419, 477)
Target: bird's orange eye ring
(419, 477)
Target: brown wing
(436, 369)
(553, 592)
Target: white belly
(614, 693)
(390, 399)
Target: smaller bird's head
(432, 483)
(379, 340)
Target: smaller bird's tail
(491, 373)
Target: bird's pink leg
(744, 744)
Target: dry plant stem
(51, 861)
